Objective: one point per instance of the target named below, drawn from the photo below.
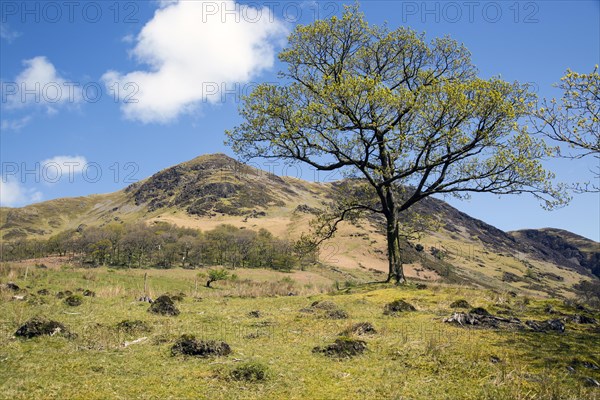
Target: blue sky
(176, 58)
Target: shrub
(215, 275)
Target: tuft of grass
(252, 371)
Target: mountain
(215, 189)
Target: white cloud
(39, 84)
(13, 193)
(7, 125)
(8, 34)
(60, 168)
(193, 49)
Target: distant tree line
(162, 245)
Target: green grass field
(414, 355)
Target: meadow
(272, 321)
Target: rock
(398, 306)
(463, 319)
(460, 304)
(510, 277)
(343, 348)
(39, 326)
(421, 286)
(188, 345)
(546, 326)
(164, 306)
(306, 209)
(485, 321)
(585, 364)
(360, 329)
(43, 292)
(581, 319)
(591, 382)
(12, 286)
(145, 299)
(549, 309)
(89, 293)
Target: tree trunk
(396, 270)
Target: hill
(211, 190)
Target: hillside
(211, 190)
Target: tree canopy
(575, 119)
(411, 118)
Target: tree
(575, 119)
(217, 275)
(410, 118)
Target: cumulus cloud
(193, 50)
(13, 193)
(39, 84)
(60, 168)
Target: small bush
(250, 372)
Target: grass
(414, 355)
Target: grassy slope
(473, 260)
(413, 356)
